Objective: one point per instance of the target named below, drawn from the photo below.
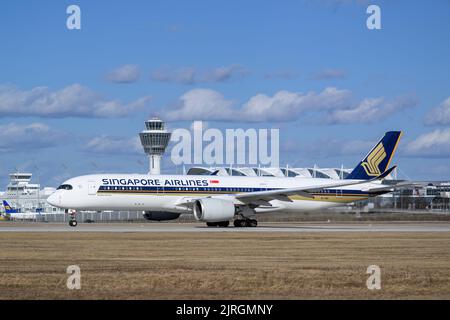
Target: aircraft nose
(53, 199)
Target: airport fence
(103, 216)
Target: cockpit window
(65, 187)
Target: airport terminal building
(22, 194)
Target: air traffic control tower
(154, 141)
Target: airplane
(12, 213)
(218, 199)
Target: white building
(154, 140)
(315, 172)
(26, 196)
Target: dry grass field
(224, 265)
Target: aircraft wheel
(237, 223)
(73, 223)
(211, 224)
(252, 223)
(224, 224)
(244, 223)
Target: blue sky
(73, 101)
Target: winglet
(215, 173)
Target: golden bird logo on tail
(371, 166)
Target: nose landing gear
(72, 218)
(73, 223)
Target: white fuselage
(24, 215)
(166, 192)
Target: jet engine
(213, 210)
(160, 215)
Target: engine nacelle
(160, 215)
(213, 210)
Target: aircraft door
(92, 188)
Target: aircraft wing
(263, 197)
(394, 187)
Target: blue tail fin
(8, 209)
(378, 159)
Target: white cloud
(23, 137)
(105, 144)
(206, 104)
(72, 101)
(202, 104)
(288, 106)
(125, 74)
(192, 75)
(439, 115)
(433, 144)
(366, 111)
(371, 110)
(222, 74)
(334, 105)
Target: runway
(196, 227)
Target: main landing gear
(72, 218)
(222, 224)
(243, 223)
(238, 223)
